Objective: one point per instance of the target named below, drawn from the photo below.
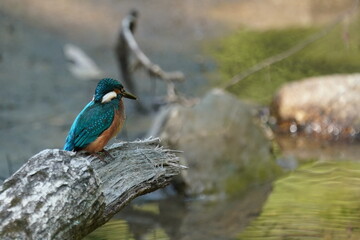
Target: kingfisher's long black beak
(128, 95)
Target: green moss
(240, 51)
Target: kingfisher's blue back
(94, 119)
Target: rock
(327, 106)
(224, 149)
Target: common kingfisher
(100, 120)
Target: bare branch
(143, 60)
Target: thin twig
(153, 69)
(277, 58)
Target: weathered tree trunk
(63, 195)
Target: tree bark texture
(65, 195)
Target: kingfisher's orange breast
(112, 131)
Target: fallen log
(65, 195)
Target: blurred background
(251, 49)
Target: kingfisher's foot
(107, 154)
(101, 155)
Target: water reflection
(318, 201)
(307, 147)
(176, 219)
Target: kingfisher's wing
(94, 119)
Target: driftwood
(127, 46)
(65, 195)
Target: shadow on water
(177, 219)
(305, 148)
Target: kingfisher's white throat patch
(108, 97)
